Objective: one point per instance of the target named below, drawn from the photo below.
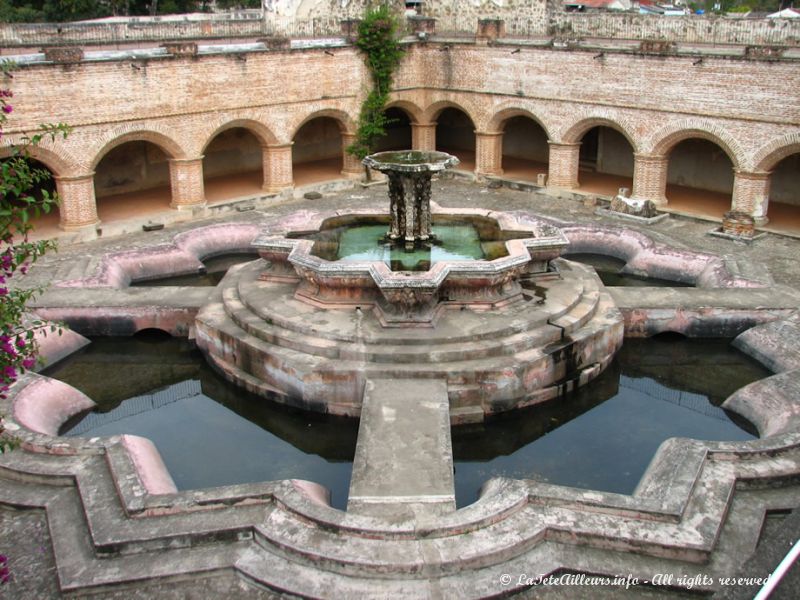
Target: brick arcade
(655, 118)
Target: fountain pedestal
(409, 173)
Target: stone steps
(257, 322)
(258, 335)
(269, 303)
(344, 554)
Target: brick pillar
(276, 162)
(751, 194)
(650, 178)
(351, 166)
(186, 182)
(423, 136)
(563, 166)
(78, 208)
(488, 152)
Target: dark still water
(609, 269)
(210, 433)
(603, 436)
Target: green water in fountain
(454, 242)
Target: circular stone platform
(562, 333)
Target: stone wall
(614, 155)
(749, 108)
(784, 181)
(232, 151)
(703, 165)
(319, 139)
(132, 30)
(691, 28)
(462, 16)
(131, 167)
(321, 18)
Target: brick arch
(258, 129)
(346, 123)
(500, 117)
(769, 155)
(58, 164)
(117, 137)
(664, 140)
(576, 131)
(413, 111)
(433, 111)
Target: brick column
(186, 182)
(78, 208)
(351, 166)
(563, 166)
(423, 136)
(751, 194)
(488, 152)
(277, 167)
(650, 178)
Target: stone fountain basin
(477, 283)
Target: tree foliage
(60, 11)
(22, 197)
(377, 39)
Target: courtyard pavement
(24, 535)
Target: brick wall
(688, 29)
(522, 18)
(750, 108)
(32, 35)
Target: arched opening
(232, 165)
(606, 162)
(132, 180)
(398, 131)
(455, 134)
(783, 209)
(317, 151)
(525, 149)
(45, 224)
(152, 334)
(699, 178)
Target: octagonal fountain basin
(348, 260)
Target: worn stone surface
(404, 455)
(699, 510)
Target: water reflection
(455, 242)
(609, 269)
(208, 432)
(603, 436)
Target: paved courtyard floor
(25, 533)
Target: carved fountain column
(409, 173)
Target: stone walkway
(25, 531)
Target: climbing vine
(377, 39)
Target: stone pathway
(109, 537)
(404, 457)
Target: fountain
(409, 173)
(513, 327)
(326, 332)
